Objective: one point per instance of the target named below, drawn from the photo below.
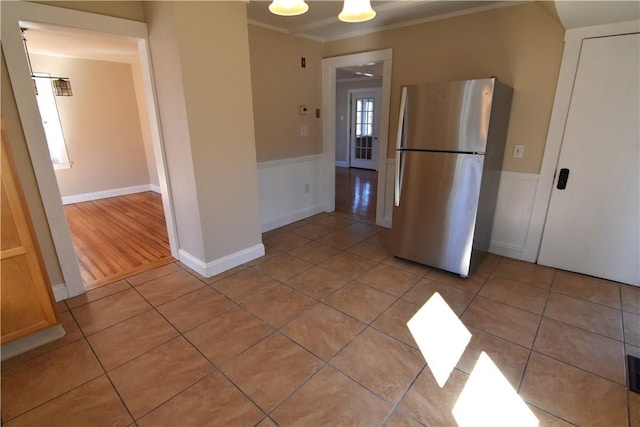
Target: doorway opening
(116, 229)
(112, 237)
(356, 91)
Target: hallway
(356, 193)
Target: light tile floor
(314, 333)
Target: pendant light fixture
(288, 7)
(61, 85)
(352, 10)
(356, 11)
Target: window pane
(51, 121)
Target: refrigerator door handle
(400, 145)
(403, 107)
(399, 175)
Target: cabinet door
(27, 301)
(593, 222)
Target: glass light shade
(356, 11)
(61, 87)
(288, 7)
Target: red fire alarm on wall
(303, 62)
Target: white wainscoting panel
(516, 195)
(289, 190)
(513, 214)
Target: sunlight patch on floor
(487, 398)
(440, 335)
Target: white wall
(289, 190)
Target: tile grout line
(535, 337)
(115, 389)
(317, 301)
(216, 368)
(351, 340)
(396, 405)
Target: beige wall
(128, 9)
(280, 86)
(521, 45)
(100, 123)
(173, 117)
(220, 112)
(145, 126)
(27, 177)
(200, 52)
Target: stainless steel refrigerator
(451, 139)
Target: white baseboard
(115, 192)
(32, 341)
(342, 164)
(509, 251)
(154, 188)
(60, 292)
(211, 268)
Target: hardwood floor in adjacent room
(119, 236)
(356, 192)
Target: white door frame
(564, 90)
(376, 120)
(329, 66)
(12, 14)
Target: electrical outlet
(304, 130)
(518, 151)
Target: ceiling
(321, 21)
(68, 42)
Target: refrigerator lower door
(435, 215)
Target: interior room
(107, 180)
(266, 157)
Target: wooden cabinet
(27, 303)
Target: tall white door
(363, 133)
(593, 224)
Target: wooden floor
(356, 192)
(119, 236)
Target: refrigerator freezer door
(435, 218)
(450, 116)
